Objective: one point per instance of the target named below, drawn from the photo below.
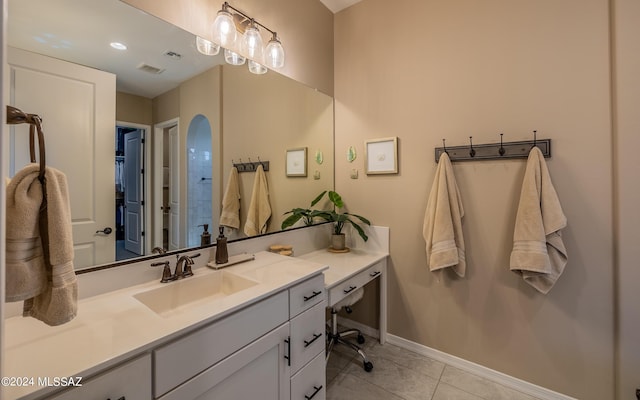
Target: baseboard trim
(457, 362)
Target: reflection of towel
(442, 229)
(40, 246)
(230, 215)
(259, 209)
(538, 251)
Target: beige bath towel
(230, 215)
(259, 209)
(40, 246)
(442, 229)
(538, 251)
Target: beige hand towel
(538, 251)
(46, 243)
(442, 229)
(230, 215)
(259, 208)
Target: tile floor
(400, 374)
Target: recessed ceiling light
(118, 45)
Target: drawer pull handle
(288, 356)
(307, 298)
(351, 289)
(317, 389)
(374, 274)
(316, 336)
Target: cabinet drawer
(306, 294)
(309, 383)
(258, 371)
(131, 380)
(307, 336)
(343, 289)
(192, 354)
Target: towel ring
(15, 117)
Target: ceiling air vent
(150, 69)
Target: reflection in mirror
(147, 136)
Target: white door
(133, 191)
(77, 106)
(174, 189)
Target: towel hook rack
(493, 151)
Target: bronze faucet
(183, 268)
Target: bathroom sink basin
(192, 291)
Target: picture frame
(296, 164)
(381, 156)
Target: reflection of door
(77, 105)
(133, 192)
(174, 189)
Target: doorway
(199, 179)
(129, 192)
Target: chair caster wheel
(368, 366)
(360, 339)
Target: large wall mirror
(147, 136)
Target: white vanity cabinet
(128, 381)
(307, 303)
(261, 352)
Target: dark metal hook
(534, 139)
(472, 151)
(444, 146)
(501, 151)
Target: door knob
(106, 231)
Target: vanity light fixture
(206, 47)
(240, 36)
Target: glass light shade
(206, 47)
(252, 43)
(256, 68)
(274, 53)
(224, 31)
(233, 58)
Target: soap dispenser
(222, 256)
(205, 238)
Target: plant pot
(338, 241)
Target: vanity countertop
(343, 266)
(115, 326)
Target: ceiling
(338, 5)
(80, 32)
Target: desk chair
(335, 337)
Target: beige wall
(132, 108)
(627, 142)
(458, 68)
(166, 106)
(304, 26)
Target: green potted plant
(339, 220)
(306, 214)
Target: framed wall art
(297, 162)
(381, 156)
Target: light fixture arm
(226, 5)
